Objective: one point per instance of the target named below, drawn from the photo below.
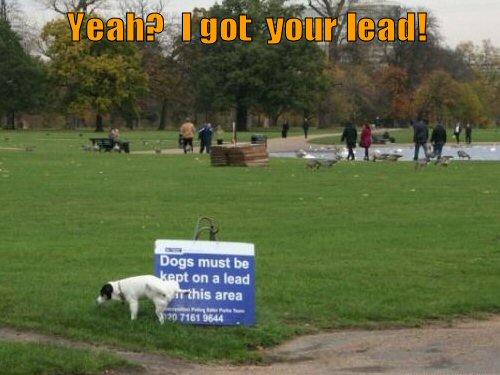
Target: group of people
(350, 137)
(438, 137)
(468, 133)
(285, 128)
(420, 138)
(188, 131)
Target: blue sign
(219, 275)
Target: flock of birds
(313, 162)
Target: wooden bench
(107, 144)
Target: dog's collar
(120, 293)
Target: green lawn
(357, 245)
(28, 359)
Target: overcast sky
(459, 19)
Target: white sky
(459, 20)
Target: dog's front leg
(160, 308)
(134, 308)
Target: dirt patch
(469, 347)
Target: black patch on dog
(107, 290)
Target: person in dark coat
(350, 136)
(205, 136)
(438, 139)
(468, 133)
(420, 136)
(284, 130)
(305, 127)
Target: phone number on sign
(195, 318)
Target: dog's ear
(107, 290)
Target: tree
(438, 97)
(102, 76)
(65, 6)
(394, 95)
(169, 92)
(22, 78)
(255, 76)
(336, 9)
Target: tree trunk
(163, 115)
(11, 120)
(99, 126)
(241, 117)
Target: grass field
(358, 245)
(28, 359)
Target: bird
(420, 163)
(394, 157)
(442, 162)
(462, 154)
(329, 162)
(377, 156)
(431, 155)
(300, 153)
(313, 164)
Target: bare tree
(142, 8)
(334, 9)
(65, 6)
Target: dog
(135, 288)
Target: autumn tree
(103, 77)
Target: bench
(383, 139)
(108, 144)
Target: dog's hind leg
(134, 308)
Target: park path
(292, 143)
(459, 348)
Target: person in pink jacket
(366, 139)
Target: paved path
(465, 347)
(294, 143)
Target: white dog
(133, 289)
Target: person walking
(438, 140)
(457, 131)
(284, 129)
(366, 140)
(205, 136)
(187, 131)
(219, 133)
(305, 127)
(350, 136)
(420, 136)
(468, 133)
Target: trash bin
(258, 139)
(126, 147)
